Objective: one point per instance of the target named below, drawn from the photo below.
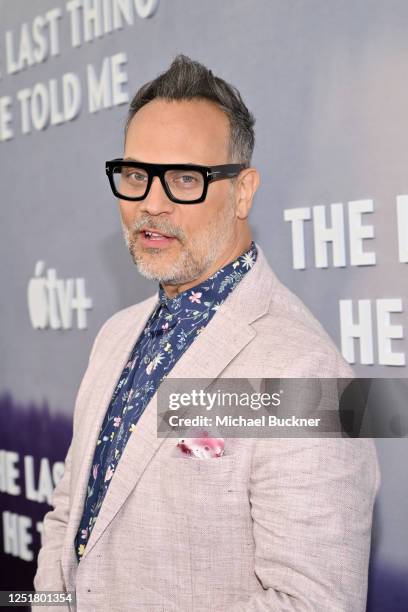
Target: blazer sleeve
(49, 575)
(311, 503)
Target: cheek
(219, 191)
(127, 213)
(206, 212)
(194, 219)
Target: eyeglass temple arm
(226, 170)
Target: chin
(151, 272)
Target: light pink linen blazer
(275, 524)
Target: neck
(227, 257)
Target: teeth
(153, 235)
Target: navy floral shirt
(171, 328)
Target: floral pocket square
(202, 448)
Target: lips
(154, 238)
(153, 234)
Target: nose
(156, 201)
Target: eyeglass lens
(184, 185)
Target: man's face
(188, 131)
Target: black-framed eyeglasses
(183, 183)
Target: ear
(246, 186)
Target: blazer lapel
(228, 332)
(103, 383)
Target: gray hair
(186, 79)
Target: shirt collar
(214, 289)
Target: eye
(184, 179)
(187, 178)
(135, 175)
(181, 179)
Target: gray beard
(194, 260)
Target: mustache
(159, 225)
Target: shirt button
(146, 359)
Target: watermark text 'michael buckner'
(241, 421)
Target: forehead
(179, 131)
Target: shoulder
(290, 329)
(120, 322)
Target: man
(271, 524)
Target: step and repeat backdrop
(327, 84)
